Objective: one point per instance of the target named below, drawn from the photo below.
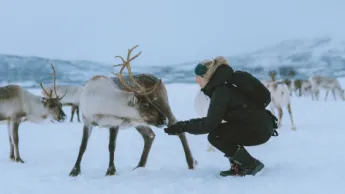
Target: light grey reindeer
(18, 105)
(327, 83)
(72, 96)
(123, 102)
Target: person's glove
(176, 128)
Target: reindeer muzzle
(62, 118)
(162, 122)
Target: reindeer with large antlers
(123, 102)
(18, 105)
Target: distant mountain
(323, 55)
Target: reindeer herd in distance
(283, 90)
(131, 101)
(281, 93)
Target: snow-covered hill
(322, 55)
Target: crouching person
(240, 100)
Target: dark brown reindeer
(18, 105)
(123, 102)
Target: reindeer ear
(132, 100)
(43, 100)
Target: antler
(54, 87)
(126, 64)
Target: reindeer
(201, 104)
(272, 75)
(122, 102)
(71, 97)
(326, 83)
(298, 85)
(306, 87)
(280, 95)
(18, 105)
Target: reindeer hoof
(139, 166)
(75, 171)
(194, 165)
(19, 160)
(111, 171)
(12, 158)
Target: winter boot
(233, 171)
(248, 165)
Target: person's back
(240, 107)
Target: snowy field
(309, 160)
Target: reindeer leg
(333, 92)
(77, 109)
(72, 113)
(280, 112)
(317, 94)
(312, 94)
(87, 129)
(112, 144)
(191, 163)
(10, 139)
(188, 154)
(293, 127)
(15, 140)
(326, 95)
(148, 136)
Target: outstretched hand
(176, 128)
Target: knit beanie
(200, 70)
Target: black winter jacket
(226, 104)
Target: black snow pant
(250, 129)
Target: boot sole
(258, 170)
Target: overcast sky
(167, 31)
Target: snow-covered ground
(309, 160)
